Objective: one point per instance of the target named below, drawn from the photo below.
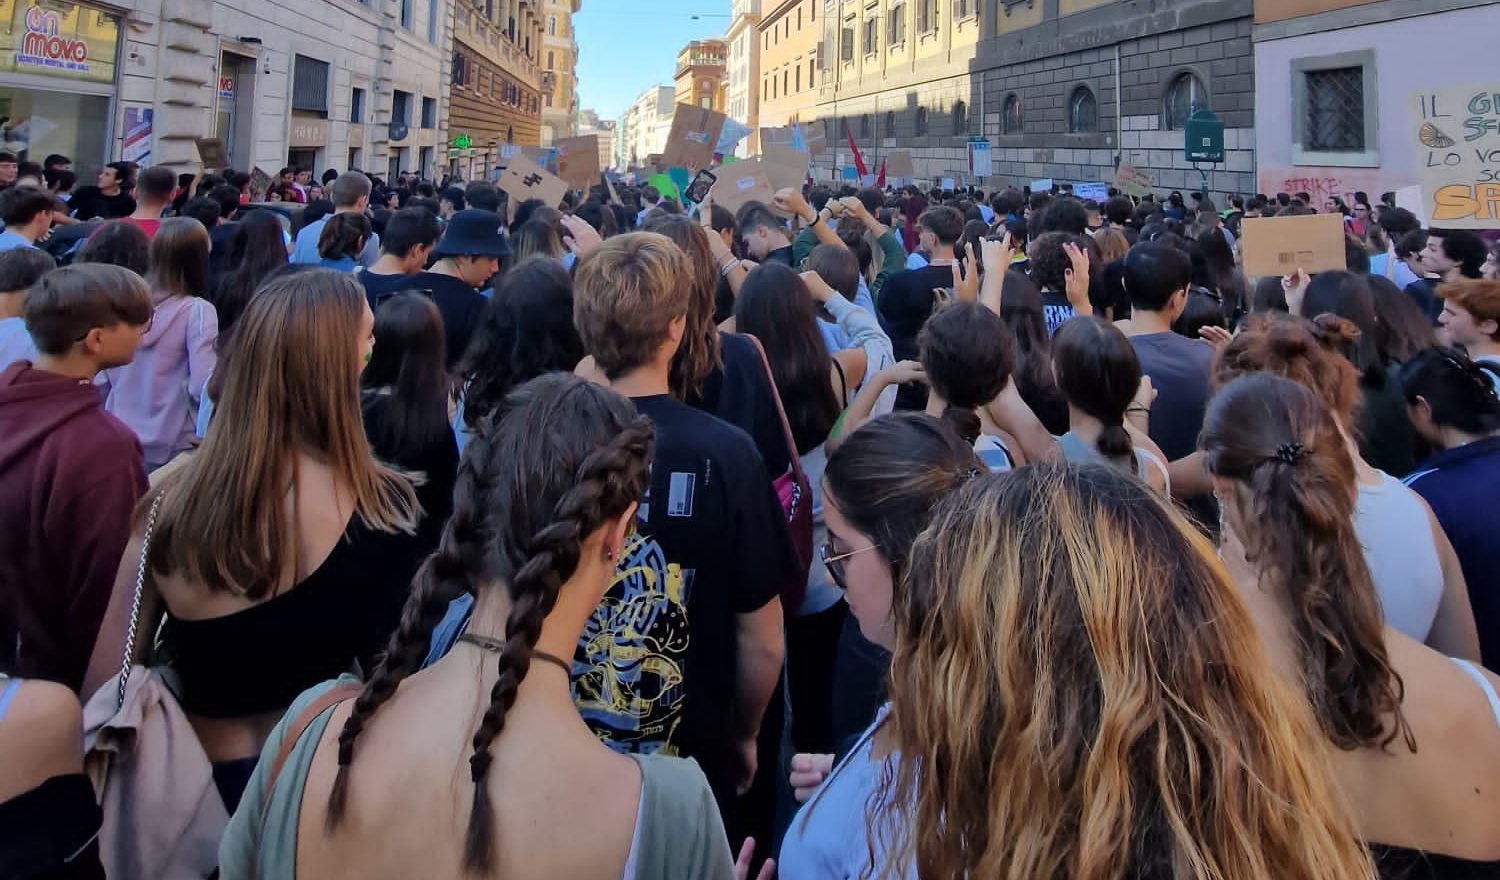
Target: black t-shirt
(1179, 370)
(89, 202)
(655, 669)
(1056, 309)
(739, 392)
(437, 462)
(52, 831)
(460, 304)
(905, 304)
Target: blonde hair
(292, 384)
(1077, 692)
(626, 294)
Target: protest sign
(744, 181)
(734, 132)
(664, 185)
(949, 184)
(695, 133)
(981, 161)
(1410, 198)
(260, 181)
(814, 139)
(578, 161)
(1282, 245)
(211, 153)
(524, 179)
(1133, 181)
(1456, 138)
(898, 164)
(1045, 185)
(786, 165)
(1099, 192)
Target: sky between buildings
(627, 46)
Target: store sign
(308, 132)
(226, 87)
(463, 142)
(59, 39)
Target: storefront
(57, 82)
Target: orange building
(701, 69)
(789, 35)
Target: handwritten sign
(524, 179)
(742, 182)
(1133, 181)
(695, 133)
(578, 161)
(1325, 183)
(1282, 245)
(1456, 136)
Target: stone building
(644, 127)
(559, 79)
(497, 81)
(589, 123)
(742, 78)
(1061, 89)
(316, 83)
(700, 76)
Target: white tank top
(1397, 537)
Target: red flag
(859, 160)
(880, 180)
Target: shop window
(1011, 120)
(310, 85)
(1083, 112)
(864, 126)
(1185, 94)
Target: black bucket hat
(473, 233)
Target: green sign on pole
(463, 142)
(1203, 137)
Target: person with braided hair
(481, 765)
(1415, 735)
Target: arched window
(864, 126)
(551, 25)
(1083, 112)
(1185, 94)
(1011, 120)
(890, 124)
(960, 117)
(921, 121)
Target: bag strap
(786, 427)
(133, 629)
(294, 731)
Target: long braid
(450, 572)
(607, 481)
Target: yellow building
(701, 74)
(496, 95)
(559, 79)
(789, 34)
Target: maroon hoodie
(70, 475)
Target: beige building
(788, 41)
(589, 123)
(700, 74)
(742, 78)
(496, 84)
(559, 77)
(644, 127)
(320, 83)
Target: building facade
(1062, 89)
(496, 85)
(742, 78)
(559, 77)
(644, 128)
(1335, 81)
(589, 123)
(789, 33)
(700, 78)
(316, 83)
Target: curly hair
(1078, 692)
(1296, 512)
(562, 458)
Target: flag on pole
(880, 179)
(859, 160)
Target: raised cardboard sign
(211, 153)
(578, 161)
(523, 179)
(695, 133)
(898, 164)
(1133, 181)
(1282, 245)
(744, 181)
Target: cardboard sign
(523, 179)
(1456, 140)
(786, 165)
(211, 153)
(260, 181)
(695, 133)
(1282, 245)
(1099, 192)
(578, 160)
(899, 164)
(1133, 181)
(742, 182)
(814, 139)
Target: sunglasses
(835, 562)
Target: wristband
(726, 268)
(1137, 408)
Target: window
(960, 117)
(799, 77)
(799, 18)
(551, 60)
(551, 25)
(357, 105)
(890, 124)
(812, 66)
(406, 13)
(926, 16)
(872, 34)
(895, 24)
(921, 121)
(962, 9)
(707, 103)
(786, 79)
(429, 113)
(310, 85)
(460, 69)
(1333, 113)
(1011, 119)
(864, 126)
(401, 107)
(548, 100)
(1083, 112)
(1186, 94)
(846, 41)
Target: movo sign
(46, 46)
(58, 39)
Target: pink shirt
(158, 393)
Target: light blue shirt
(1404, 276)
(10, 241)
(986, 212)
(306, 250)
(15, 342)
(833, 335)
(915, 260)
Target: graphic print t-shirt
(655, 667)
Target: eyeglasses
(835, 563)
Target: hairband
(1287, 453)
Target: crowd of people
(383, 528)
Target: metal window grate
(1334, 113)
(310, 85)
(1186, 95)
